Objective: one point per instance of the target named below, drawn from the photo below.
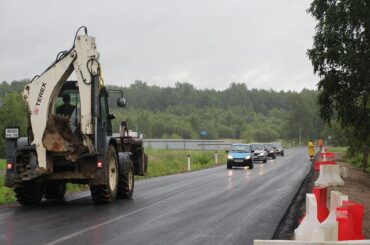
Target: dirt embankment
(357, 187)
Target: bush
(202, 158)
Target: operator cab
(68, 103)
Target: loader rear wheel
(54, 190)
(107, 193)
(30, 193)
(126, 181)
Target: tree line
(183, 111)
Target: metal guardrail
(184, 144)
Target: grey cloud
(208, 43)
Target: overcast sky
(208, 43)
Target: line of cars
(241, 155)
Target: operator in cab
(66, 109)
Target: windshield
(240, 148)
(269, 147)
(257, 147)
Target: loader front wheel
(30, 193)
(126, 180)
(54, 190)
(107, 193)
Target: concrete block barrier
(291, 242)
(344, 172)
(322, 162)
(303, 232)
(329, 176)
(327, 154)
(328, 230)
(350, 217)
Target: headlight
(271, 151)
(247, 157)
(261, 154)
(230, 157)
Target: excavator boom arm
(40, 94)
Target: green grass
(356, 160)
(338, 149)
(2, 164)
(166, 162)
(7, 195)
(72, 188)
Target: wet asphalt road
(213, 206)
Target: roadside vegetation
(349, 157)
(356, 160)
(2, 164)
(342, 30)
(6, 195)
(165, 162)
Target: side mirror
(121, 102)
(252, 151)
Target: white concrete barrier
(303, 232)
(329, 176)
(291, 242)
(328, 230)
(344, 172)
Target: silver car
(259, 152)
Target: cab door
(105, 117)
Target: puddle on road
(261, 171)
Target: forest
(183, 111)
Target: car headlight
(247, 157)
(261, 155)
(271, 151)
(230, 157)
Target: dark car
(270, 149)
(279, 149)
(240, 155)
(259, 153)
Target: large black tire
(229, 166)
(30, 193)
(265, 160)
(274, 156)
(251, 165)
(126, 181)
(107, 193)
(55, 190)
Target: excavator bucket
(58, 137)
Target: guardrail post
(189, 162)
(216, 157)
